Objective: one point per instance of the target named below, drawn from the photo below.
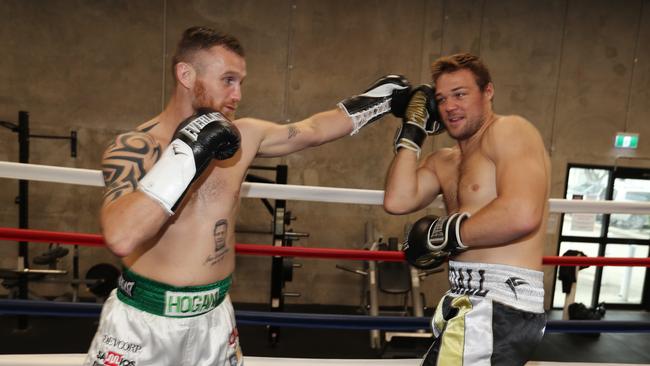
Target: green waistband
(170, 301)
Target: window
(615, 235)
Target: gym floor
(73, 335)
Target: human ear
(185, 74)
(489, 91)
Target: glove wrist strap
(168, 179)
(412, 131)
(444, 234)
(458, 218)
(363, 110)
(409, 145)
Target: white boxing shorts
(492, 315)
(145, 322)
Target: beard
(202, 100)
(470, 128)
(229, 115)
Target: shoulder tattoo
(149, 127)
(124, 163)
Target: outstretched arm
(279, 140)
(521, 162)
(387, 94)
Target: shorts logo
(126, 286)
(462, 282)
(120, 344)
(177, 150)
(513, 282)
(234, 335)
(190, 303)
(236, 355)
(112, 359)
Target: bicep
(125, 162)
(428, 183)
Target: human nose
(449, 106)
(236, 93)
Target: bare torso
(468, 183)
(197, 245)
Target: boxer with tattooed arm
(171, 198)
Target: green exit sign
(626, 140)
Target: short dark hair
(460, 61)
(201, 38)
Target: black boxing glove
(421, 119)
(204, 136)
(389, 94)
(433, 239)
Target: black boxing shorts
(492, 315)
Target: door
(615, 235)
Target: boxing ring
(286, 319)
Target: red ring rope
(44, 236)
(13, 234)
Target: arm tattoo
(148, 128)
(123, 165)
(293, 131)
(220, 233)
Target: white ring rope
(89, 177)
(55, 174)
